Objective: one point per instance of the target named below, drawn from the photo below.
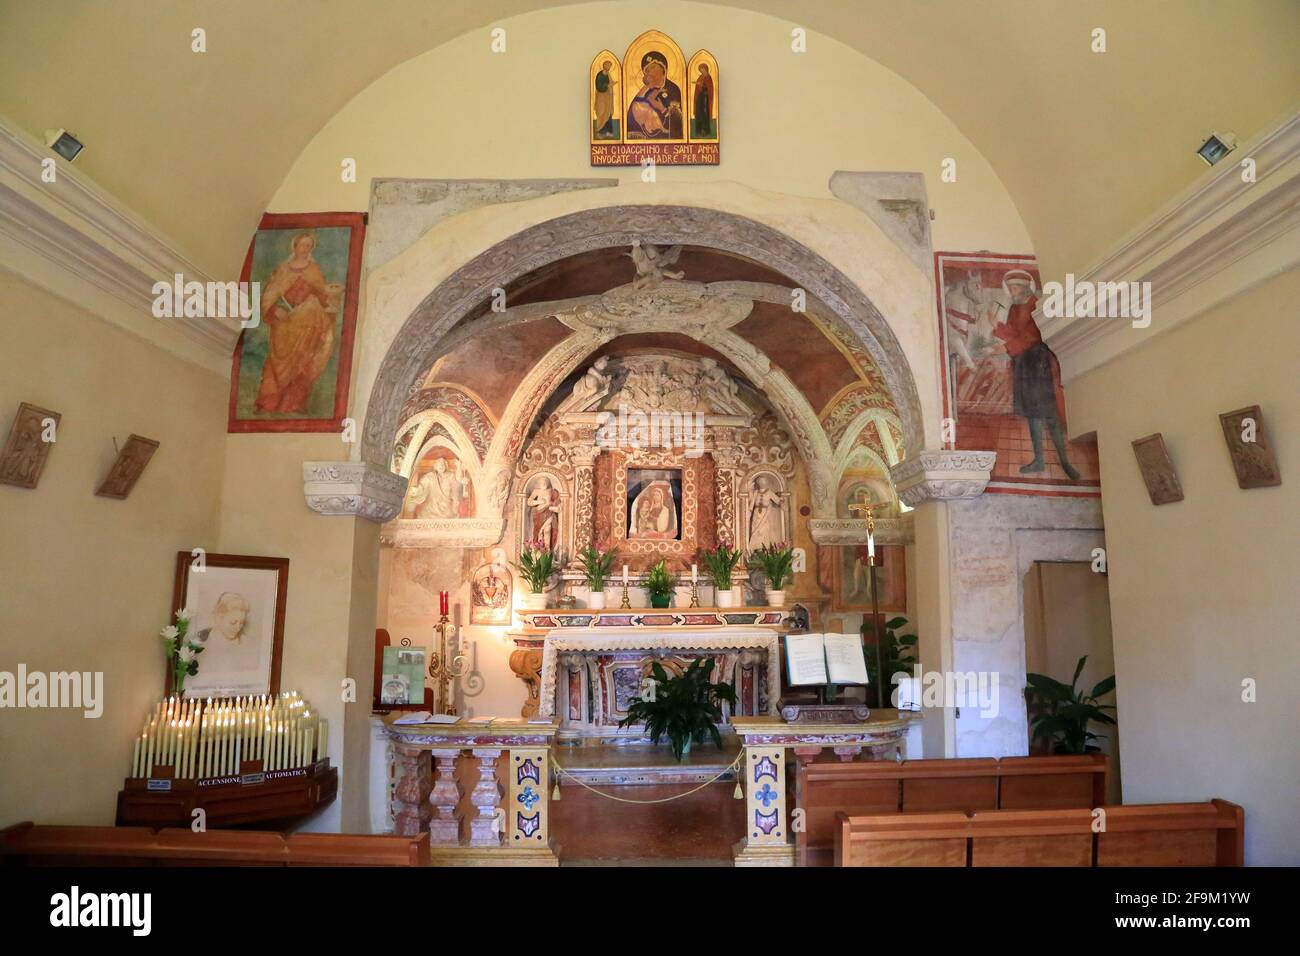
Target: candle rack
(443, 670)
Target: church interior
(735, 433)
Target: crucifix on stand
(864, 507)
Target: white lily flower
(183, 614)
(169, 632)
(186, 654)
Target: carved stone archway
(422, 335)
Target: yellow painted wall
(86, 582)
(1203, 592)
(789, 120)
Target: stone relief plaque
(30, 439)
(1252, 456)
(1158, 470)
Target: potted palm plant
(1062, 714)
(596, 565)
(660, 584)
(721, 563)
(777, 562)
(536, 565)
(687, 707)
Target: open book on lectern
(825, 659)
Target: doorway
(1067, 616)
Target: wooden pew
(823, 790)
(28, 844)
(1165, 834)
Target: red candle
(442, 603)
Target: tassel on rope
(738, 793)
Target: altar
(583, 668)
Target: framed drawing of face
(236, 611)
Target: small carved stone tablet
(126, 471)
(30, 439)
(1158, 470)
(1252, 456)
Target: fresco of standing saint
(291, 368)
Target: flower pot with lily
(536, 565)
(777, 562)
(182, 653)
(721, 563)
(596, 565)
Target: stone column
(584, 496)
(484, 828)
(411, 809)
(444, 829)
(927, 482)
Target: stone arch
(423, 333)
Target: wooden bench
(29, 844)
(1162, 834)
(823, 790)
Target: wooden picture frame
(261, 584)
(290, 402)
(131, 462)
(1157, 470)
(26, 450)
(1253, 461)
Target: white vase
(535, 601)
(775, 598)
(725, 598)
(596, 600)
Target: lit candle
(322, 748)
(135, 759)
(442, 603)
(148, 754)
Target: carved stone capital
(353, 488)
(942, 475)
(841, 531)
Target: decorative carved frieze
(352, 488)
(842, 531)
(942, 475)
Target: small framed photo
(236, 612)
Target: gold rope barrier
(734, 765)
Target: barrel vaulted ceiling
(1087, 145)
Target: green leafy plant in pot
(898, 653)
(721, 563)
(660, 584)
(536, 565)
(1062, 714)
(777, 562)
(687, 708)
(596, 565)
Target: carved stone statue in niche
(542, 504)
(593, 386)
(441, 491)
(766, 514)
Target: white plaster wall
(994, 540)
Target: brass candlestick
(441, 671)
(695, 594)
(627, 602)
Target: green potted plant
(536, 565)
(777, 562)
(596, 565)
(898, 654)
(687, 707)
(660, 584)
(721, 563)
(1062, 714)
